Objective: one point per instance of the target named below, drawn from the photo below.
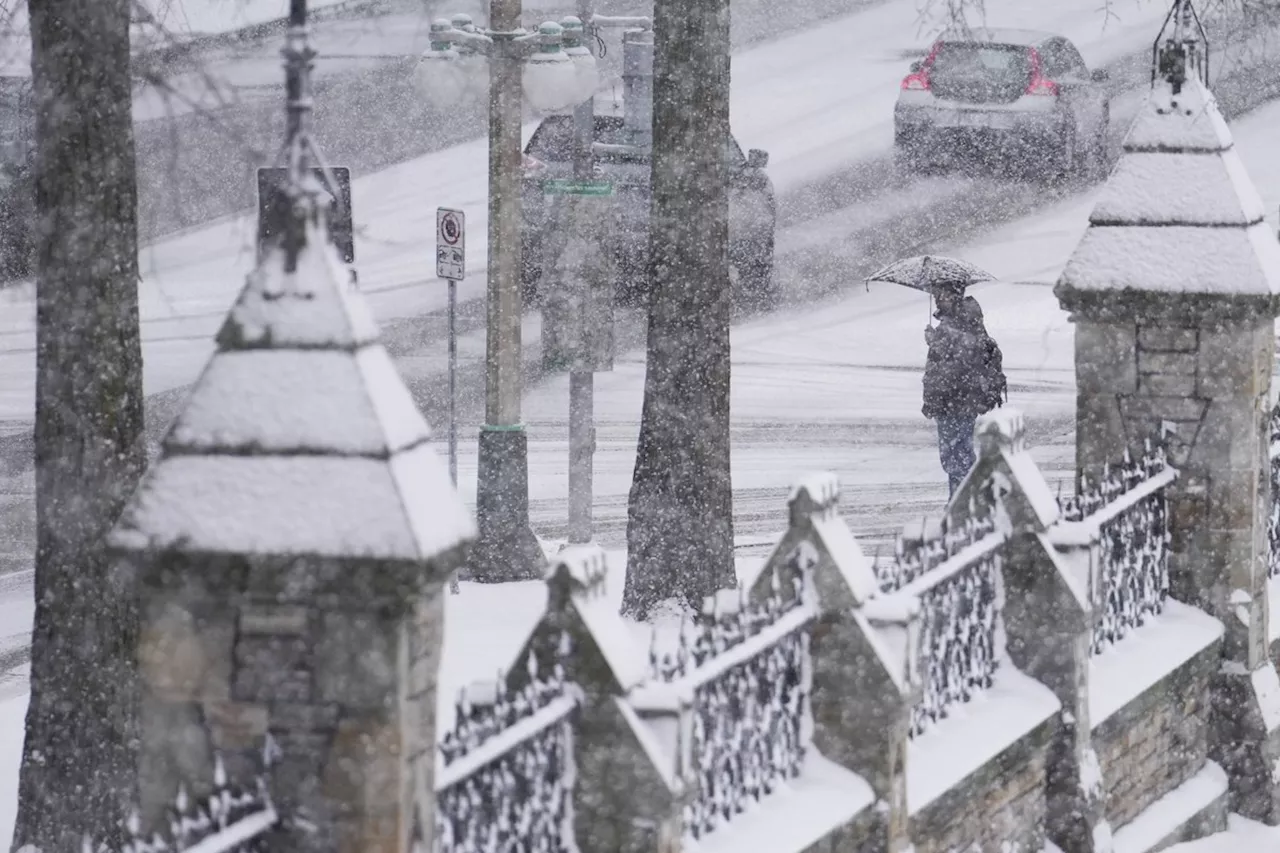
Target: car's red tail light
(918, 82)
(531, 166)
(1040, 85)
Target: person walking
(963, 378)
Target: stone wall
(1000, 807)
(626, 802)
(1157, 741)
(235, 650)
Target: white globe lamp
(440, 75)
(584, 62)
(550, 77)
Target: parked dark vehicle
(1025, 96)
(752, 207)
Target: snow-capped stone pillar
(1173, 291)
(1047, 616)
(290, 547)
(864, 648)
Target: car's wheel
(909, 156)
(755, 287)
(1064, 158)
(1098, 161)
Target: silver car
(1025, 96)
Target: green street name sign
(566, 187)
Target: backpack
(992, 381)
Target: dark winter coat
(963, 375)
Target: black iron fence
(1129, 508)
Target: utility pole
(506, 549)
(582, 431)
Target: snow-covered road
(819, 101)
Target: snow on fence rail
(508, 772)
(1128, 508)
(955, 576)
(748, 672)
(913, 560)
(230, 819)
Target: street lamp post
(506, 548)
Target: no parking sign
(451, 244)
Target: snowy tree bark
(680, 518)
(78, 760)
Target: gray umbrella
(932, 274)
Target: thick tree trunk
(78, 761)
(680, 522)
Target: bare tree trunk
(78, 760)
(680, 520)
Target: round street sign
(451, 229)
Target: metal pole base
(506, 549)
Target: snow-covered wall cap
(583, 567)
(1149, 188)
(577, 580)
(815, 492)
(1191, 260)
(1186, 122)
(1002, 429)
(314, 307)
(352, 507)
(335, 402)
(300, 438)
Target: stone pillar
(1047, 616)
(864, 650)
(290, 546)
(1173, 291)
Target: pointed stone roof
(299, 438)
(1179, 214)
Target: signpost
(273, 206)
(451, 264)
(577, 324)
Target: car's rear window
(996, 63)
(553, 141)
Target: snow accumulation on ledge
(1163, 817)
(796, 816)
(1135, 664)
(975, 733)
(1242, 836)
